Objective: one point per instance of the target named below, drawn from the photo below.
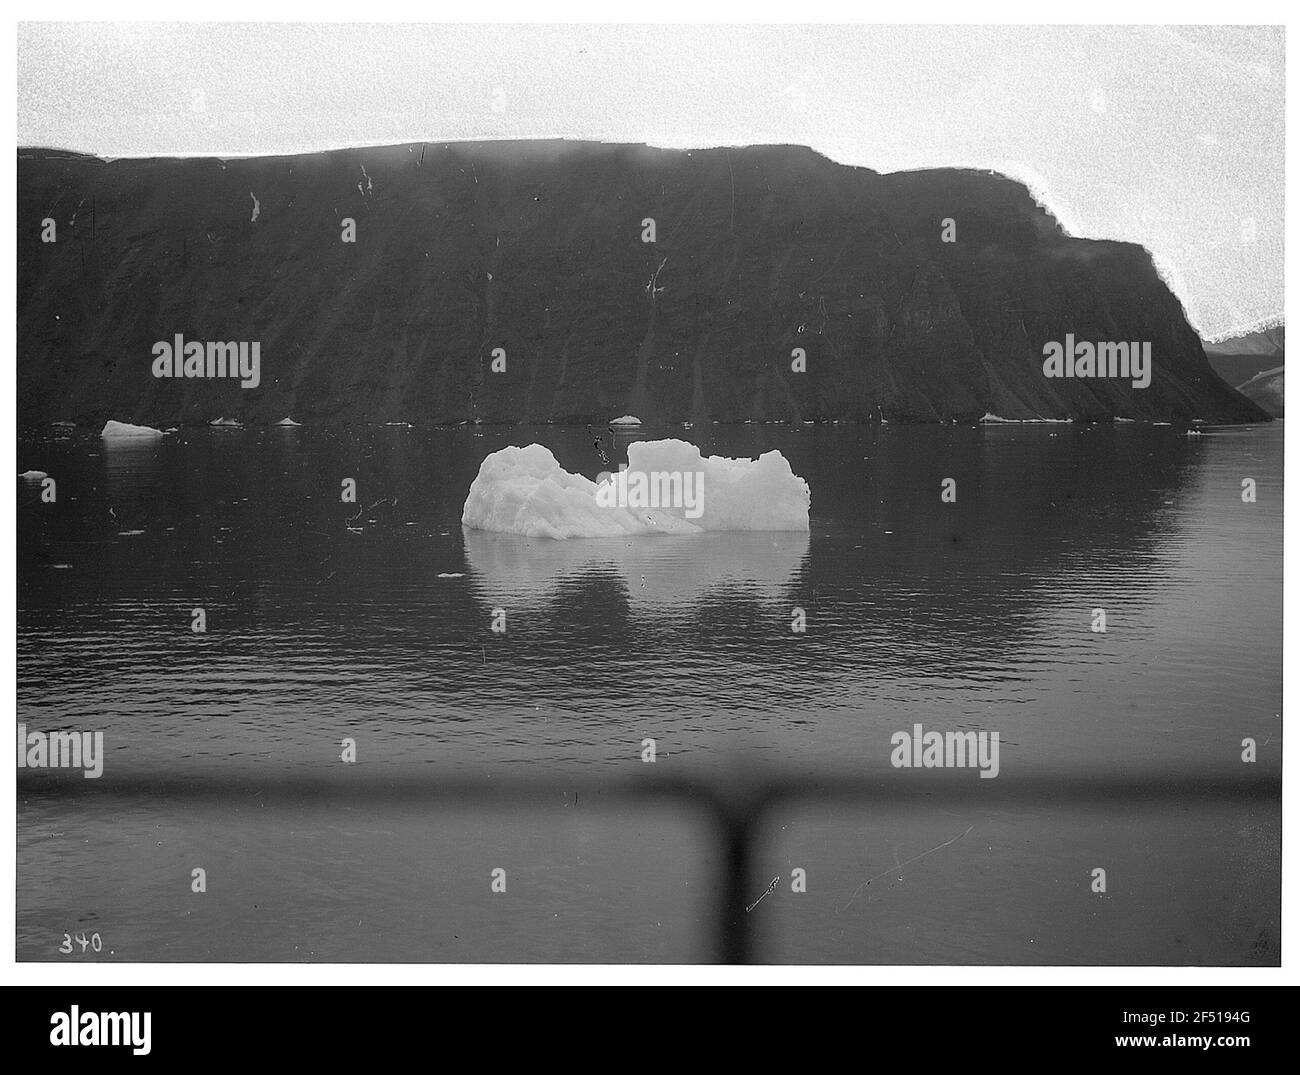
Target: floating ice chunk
(232, 422)
(667, 489)
(625, 420)
(287, 421)
(125, 429)
(33, 475)
(993, 419)
(451, 574)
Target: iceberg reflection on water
(657, 573)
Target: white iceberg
(992, 419)
(625, 420)
(287, 421)
(667, 488)
(125, 429)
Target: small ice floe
(59, 567)
(129, 533)
(287, 421)
(993, 419)
(171, 429)
(1193, 433)
(451, 574)
(404, 425)
(64, 425)
(33, 475)
(625, 420)
(115, 430)
(1162, 423)
(230, 423)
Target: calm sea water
(372, 621)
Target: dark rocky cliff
(537, 248)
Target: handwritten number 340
(93, 942)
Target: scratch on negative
(885, 873)
(773, 885)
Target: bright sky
(1172, 137)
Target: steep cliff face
(537, 248)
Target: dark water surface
(328, 620)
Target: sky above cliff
(1172, 137)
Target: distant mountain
(1240, 358)
(1268, 341)
(1268, 389)
(537, 249)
